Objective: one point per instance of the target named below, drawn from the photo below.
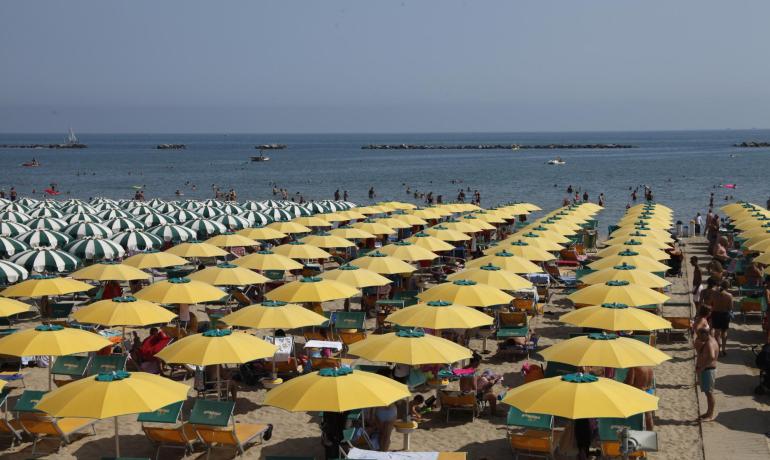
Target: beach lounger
(608, 435)
(349, 320)
(512, 324)
(454, 402)
(749, 305)
(107, 364)
(172, 435)
(212, 421)
(8, 426)
(72, 366)
(531, 434)
(40, 425)
(409, 297)
(679, 325)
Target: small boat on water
(556, 161)
(31, 164)
(260, 158)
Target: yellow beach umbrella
(267, 260)
(494, 276)
(431, 243)
(577, 396)
(543, 232)
(374, 228)
(755, 235)
(615, 317)
(466, 292)
(10, 307)
(411, 347)
(350, 233)
(410, 219)
(426, 213)
(336, 390)
(350, 214)
(289, 227)
(394, 223)
(617, 292)
(196, 250)
(327, 240)
(383, 264)
(761, 246)
(445, 234)
(506, 261)
(398, 205)
(535, 240)
(123, 311)
(51, 340)
(355, 276)
(647, 241)
(640, 248)
(300, 250)
(217, 346)
(229, 240)
(630, 258)
(112, 395)
(649, 221)
(476, 222)
(312, 289)
(312, 221)
(736, 207)
(408, 252)
(228, 275)
(107, 271)
(523, 249)
(180, 290)
(372, 210)
(440, 315)
(154, 259)
(272, 314)
(605, 350)
(45, 285)
(460, 226)
(489, 217)
(635, 231)
(763, 258)
(261, 233)
(625, 272)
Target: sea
(682, 167)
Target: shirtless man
(706, 368)
(697, 276)
(720, 315)
(720, 251)
(642, 377)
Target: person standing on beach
(371, 192)
(601, 199)
(697, 277)
(345, 195)
(707, 350)
(642, 377)
(698, 224)
(720, 316)
(337, 195)
(585, 196)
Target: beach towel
(356, 453)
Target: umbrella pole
(50, 375)
(274, 374)
(219, 390)
(117, 438)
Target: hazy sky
(383, 66)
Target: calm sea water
(681, 167)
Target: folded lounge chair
(172, 435)
(608, 434)
(531, 434)
(72, 366)
(9, 427)
(453, 402)
(40, 425)
(107, 364)
(512, 324)
(212, 421)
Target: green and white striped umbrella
(46, 212)
(154, 219)
(102, 200)
(183, 215)
(230, 208)
(102, 207)
(77, 208)
(190, 205)
(12, 229)
(278, 214)
(30, 203)
(112, 213)
(209, 212)
(165, 208)
(53, 204)
(155, 202)
(172, 232)
(297, 211)
(11, 272)
(93, 248)
(317, 207)
(213, 203)
(121, 224)
(335, 206)
(10, 246)
(256, 218)
(44, 238)
(137, 240)
(82, 229)
(254, 206)
(16, 207)
(274, 203)
(232, 222)
(205, 228)
(141, 209)
(46, 260)
(47, 223)
(75, 217)
(15, 216)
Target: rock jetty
(270, 147)
(494, 146)
(752, 144)
(44, 146)
(171, 146)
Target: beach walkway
(742, 417)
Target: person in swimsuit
(720, 315)
(707, 350)
(643, 378)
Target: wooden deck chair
(679, 325)
(608, 434)
(9, 427)
(172, 435)
(455, 402)
(531, 434)
(107, 364)
(40, 425)
(512, 324)
(72, 366)
(349, 338)
(214, 423)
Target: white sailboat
(71, 138)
